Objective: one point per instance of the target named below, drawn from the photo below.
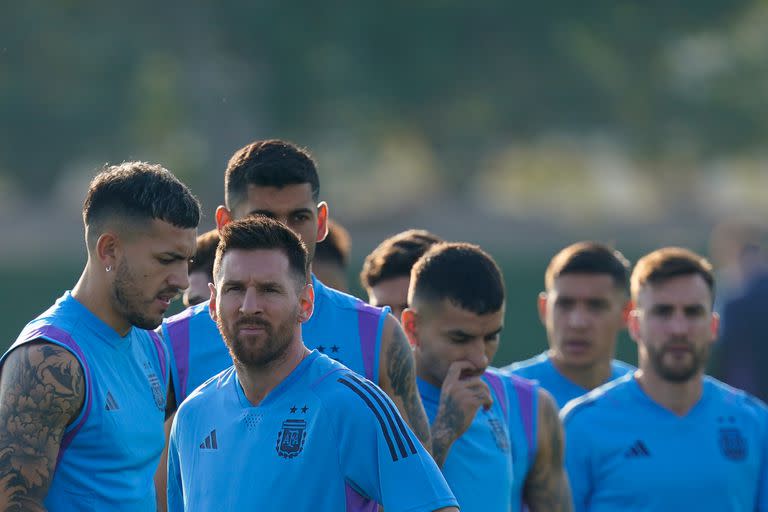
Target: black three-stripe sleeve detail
(401, 425)
(387, 414)
(372, 407)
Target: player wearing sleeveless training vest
(342, 327)
(583, 309)
(496, 437)
(503, 437)
(562, 389)
(107, 459)
(626, 452)
(84, 389)
(286, 428)
(323, 439)
(668, 437)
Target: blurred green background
(519, 127)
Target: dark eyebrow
(174, 255)
(265, 213)
(494, 333)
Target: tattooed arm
(397, 377)
(42, 389)
(546, 486)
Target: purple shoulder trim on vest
(160, 353)
(356, 503)
(498, 390)
(368, 326)
(178, 338)
(63, 337)
(525, 397)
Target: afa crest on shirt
(733, 445)
(290, 440)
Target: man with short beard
(286, 428)
(669, 437)
(83, 389)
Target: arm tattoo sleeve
(401, 375)
(444, 429)
(41, 391)
(546, 487)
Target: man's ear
(541, 304)
(306, 303)
(715, 325)
(322, 221)
(408, 320)
(212, 306)
(223, 216)
(108, 250)
(628, 307)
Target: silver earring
(109, 268)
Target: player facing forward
(497, 437)
(386, 272)
(287, 428)
(279, 180)
(83, 389)
(668, 437)
(583, 310)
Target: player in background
(496, 437)
(287, 428)
(583, 310)
(201, 269)
(668, 437)
(386, 272)
(279, 180)
(331, 259)
(83, 389)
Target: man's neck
(259, 381)
(93, 293)
(588, 377)
(677, 397)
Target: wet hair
(336, 246)
(260, 232)
(396, 256)
(205, 253)
(461, 273)
(669, 262)
(589, 258)
(137, 192)
(268, 163)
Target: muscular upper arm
(546, 486)
(42, 388)
(397, 377)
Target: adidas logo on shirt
(111, 403)
(638, 449)
(210, 442)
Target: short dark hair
(462, 273)
(205, 253)
(268, 163)
(589, 258)
(396, 256)
(138, 191)
(260, 232)
(666, 263)
(336, 246)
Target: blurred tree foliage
(82, 80)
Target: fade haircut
(137, 192)
(205, 253)
(336, 246)
(669, 262)
(396, 256)
(461, 273)
(262, 232)
(589, 258)
(268, 163)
